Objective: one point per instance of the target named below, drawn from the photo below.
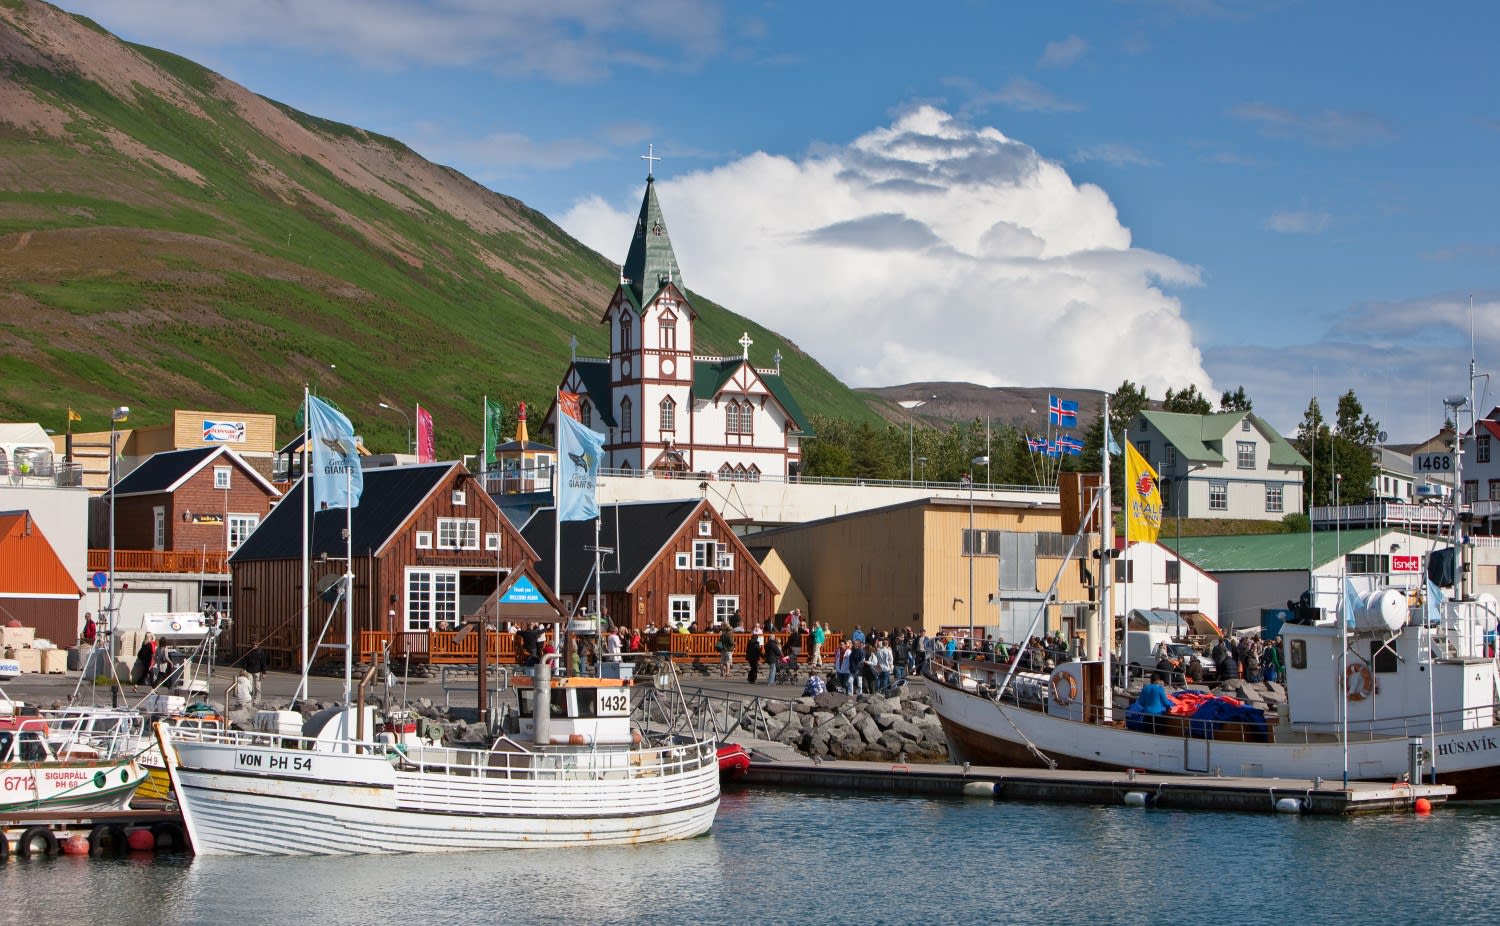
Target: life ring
(1060, 681)
(108, 839)
(27, 839)
(1362, 689)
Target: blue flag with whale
(338, 478)
(579, 450)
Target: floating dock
(774, 764)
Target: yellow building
(908, 565)
(251, 436)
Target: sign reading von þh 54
(223, 432)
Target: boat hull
(74, 786)
(240, 798)
(981, 731)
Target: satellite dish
(330, 587)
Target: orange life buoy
(1061, 681)
(1362, 689)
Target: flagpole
(1106, 574)
(349, 595)
(306, 535)
(484, 448)
(557, 510)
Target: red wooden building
(35, 587)
(676, 563)
(429, 548)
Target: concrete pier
(774, 764)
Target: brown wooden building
(674, 562)
(207, 499)
(429, 548)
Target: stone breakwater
(875, 728)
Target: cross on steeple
(649, 157)
(745, 343)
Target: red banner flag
(567, 403)
(425, 448)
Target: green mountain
(169, 239)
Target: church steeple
(651, 261)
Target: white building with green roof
(661, 407)
(1224, 465)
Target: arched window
(586, 414)
(726, 472)
(626, 326)
(625, 419)
(668, 414)
(752, 474)
(732, 417)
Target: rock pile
(873, 727)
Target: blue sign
(99, 580)
(523, 592)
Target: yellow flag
(74, 416)
(1142, 498)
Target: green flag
(494, 423)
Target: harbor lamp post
(116, 417)
(973, 542)
(911, 406)
(411, 446)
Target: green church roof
(651, 260)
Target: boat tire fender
(26, 843)
(170, 836)
(108, 839)
(1064, 688)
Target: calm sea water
(780, 856)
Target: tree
(1188, 402)
(1343, 456)
(1314, 437)
(1236, 401)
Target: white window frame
(724, 560)
(424, 540)
(431, 597)
(239, 529)
(1244, 454)
(684, 561)
(724, 607)
(1218, 495)
(1482, 448)
(668, 408)
(1171, 461)
(492, 542)
(159, 528)
(460, 498)
(679, 607)
(222, 478)
(706, 528)
(1275, 497)
(705, 554)
(458, 533)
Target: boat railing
(108, 732)
(720, 714)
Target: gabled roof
(651, 260)
(28, 563)
(710, 377)
(1199, 438)
(1269, 552)
(390, 495)
(595, 377)
(637, 531)
(168, 470)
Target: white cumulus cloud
(928, 249)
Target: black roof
(636, 531)
(162, 470)
(389, 497)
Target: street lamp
(410, 445)
(923, 462)
(119, 415)
(973, 543)
(911, 406)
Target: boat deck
(774, 764)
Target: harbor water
(796, 857)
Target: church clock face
(668, 367)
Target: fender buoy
(108, 839)
(1364, 687)
(1064, 688)
(141, 839)
(27, 841)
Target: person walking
(841, 668)
(819, 634)
(143, 672)
(255, 664)
(773, 658)
(752, 655)
(725, 647)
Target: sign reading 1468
(1432, 462)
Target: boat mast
(1106, 569)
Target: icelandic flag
(1052, 450)
(1062, 412)
(1070, 445)
(338, 479)
(1036, 444)
(579, 450)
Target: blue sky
(1295, 197)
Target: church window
(726, 473)
(585, 414)
(668, 414)
(752, 474)
(625, 332)
(625, 419)
(669, 333)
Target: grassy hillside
(169, 239)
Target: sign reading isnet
(1406, 564)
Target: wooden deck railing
(177, 561)
(443, 647)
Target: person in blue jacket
(1153, 700)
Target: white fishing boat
(35, 774)
(567, 769)
(1382, 683)
(562, 764)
